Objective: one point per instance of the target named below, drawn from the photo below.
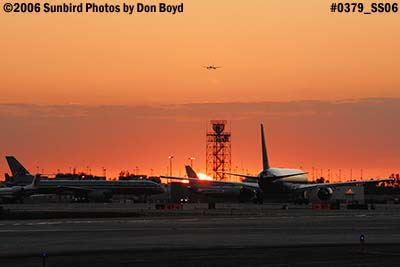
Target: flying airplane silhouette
(212, 67)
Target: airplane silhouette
(212, 67)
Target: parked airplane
(17, 193)
(221, 189)
(294, 180)
(94, 190)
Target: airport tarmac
(245, 235)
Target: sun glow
(203, 176)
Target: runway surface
(233, 235)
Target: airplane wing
(194, 179)
(242, 175)
(180, 178)
(74, 189)
(276, 177)
(216, 182)
(307, 186)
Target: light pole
(170, 164)
(170, 174)
(191, 161)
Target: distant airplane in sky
(212, 67)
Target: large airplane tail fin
(190, 172)
(16, 168)
(264, 150)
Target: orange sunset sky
(120, 91)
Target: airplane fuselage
(134, 187)
(299, 175)
(267, 182)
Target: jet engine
(246, 194)
(324, 193)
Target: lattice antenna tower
(218, 149)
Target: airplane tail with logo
(264, 150)
(16, 168)
(190, 172)
(265, 161)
